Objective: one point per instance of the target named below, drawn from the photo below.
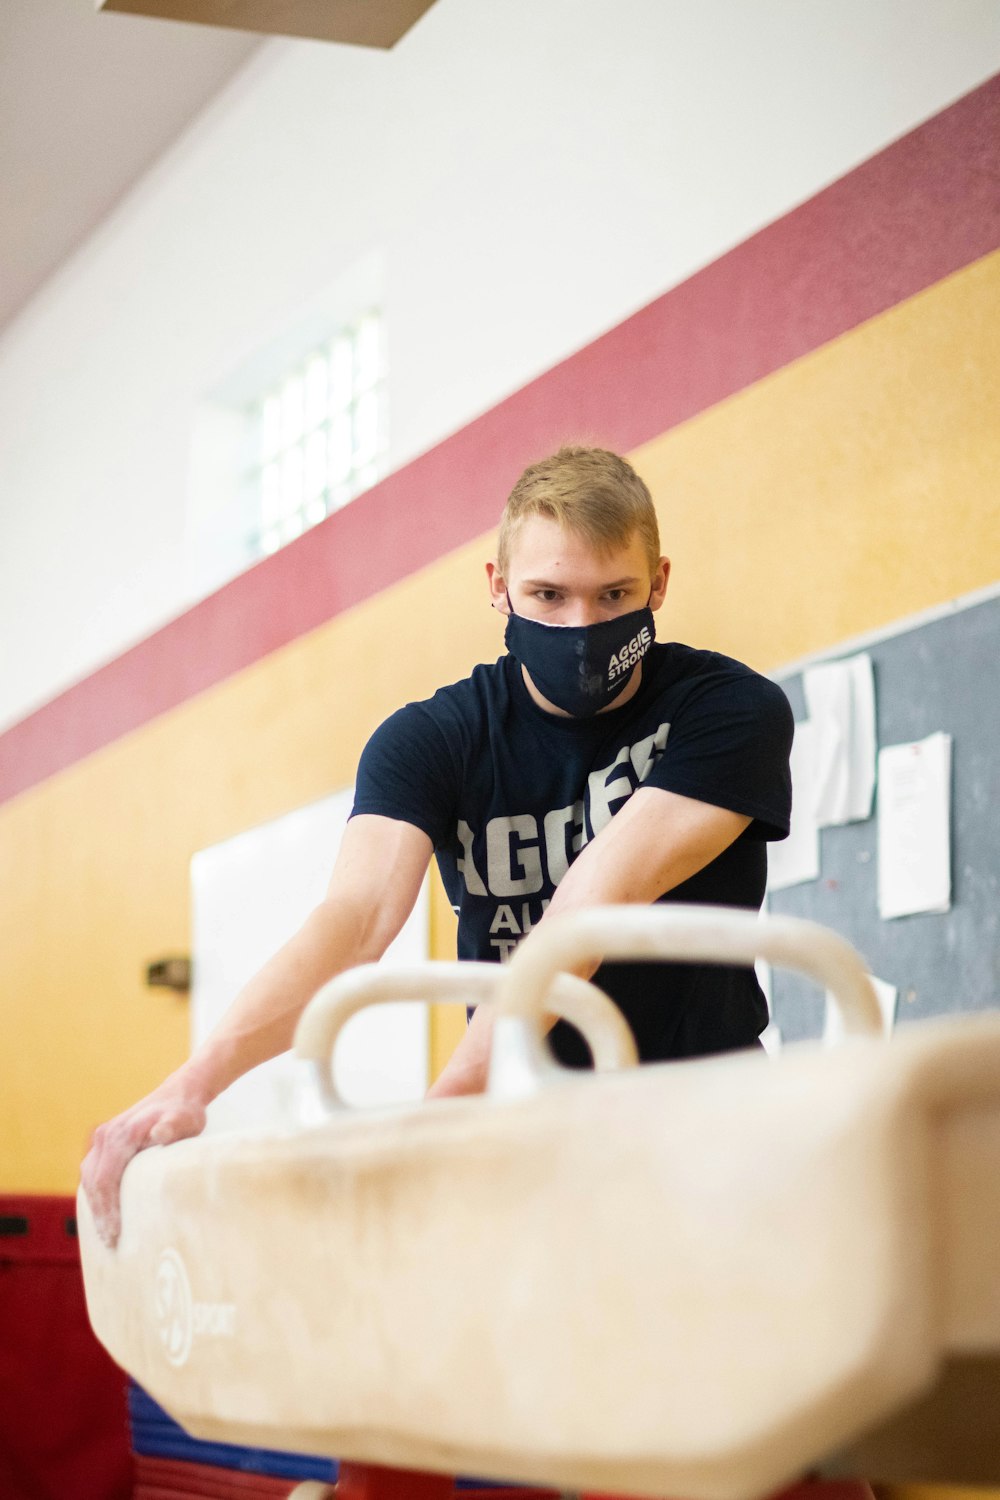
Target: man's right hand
(356, 921)
(170, 1113)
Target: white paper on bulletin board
(914, 827)
(796, 859)
(249, 895)
(840, 697)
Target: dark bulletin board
(943, 674)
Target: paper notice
(840, 696)
(914, 799)
(796, 858)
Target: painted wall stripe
(923, 208)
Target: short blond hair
(590, 491)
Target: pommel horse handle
(520, 1063)
(602, 1024)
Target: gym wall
(816, 415)
(508, 183)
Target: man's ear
(660, 580)
(498, 588)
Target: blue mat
(157, 1435)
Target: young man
(587, 766)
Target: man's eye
(616, 595)
(547, 596)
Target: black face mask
(581, 668)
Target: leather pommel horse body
(696, 1278)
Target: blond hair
(590, 491)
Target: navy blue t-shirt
(510, 794)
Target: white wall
(526, 175)
(248, 896)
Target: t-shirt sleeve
(407, 771)
(729, 745)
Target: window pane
(270, 495)
(270, 542)
(340, 448)
(341, 373)
(315, 512)
(291, 480)
(270, 428)
(315, 392)
(316, 444)
(292, 410)
(366, 430)
(367, 351)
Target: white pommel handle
(576, 1000)
(700, 934)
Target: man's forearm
(261, 1021)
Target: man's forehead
(541, 544)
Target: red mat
(63, 1417)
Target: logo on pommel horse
(173, 1304)
(180, 1319)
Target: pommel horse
(696, 1279)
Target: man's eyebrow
(543, 583)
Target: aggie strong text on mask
(630, 656)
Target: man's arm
(654, 843)
(372, 890)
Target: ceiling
(361, 23)
(87, 103)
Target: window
(291, 426)
(319, 437)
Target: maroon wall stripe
(924, 207)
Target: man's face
(556, 575)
